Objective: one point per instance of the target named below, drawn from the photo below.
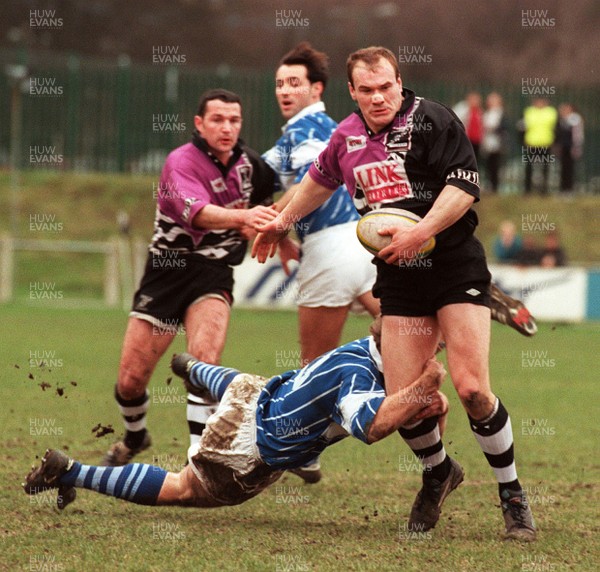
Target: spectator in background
(538, 127)
(507, 244)
(569, 143)
(493, 144)
(552, 253)
(470, 112)
(530, 253)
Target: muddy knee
(478, 403)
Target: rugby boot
(120, 454)
(181, 365)
(310, 473)
(511, 312)
(54, 464)
(427, 507)
(517, 516)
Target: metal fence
(69, 113)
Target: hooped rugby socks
(198, 411)
(137, 483)
(424, 440)
(494, 435)
(134, 417)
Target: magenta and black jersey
(406, 165)
(192, 178)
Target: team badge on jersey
(398, 140)
(245, 175)
(355, 143)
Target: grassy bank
(57, 205)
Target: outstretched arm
(289, 249)
(420, 397)
(284, 200)
(215, 217)
(308, 196)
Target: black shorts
(423, 286)
(173, 281)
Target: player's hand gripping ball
(370, 223)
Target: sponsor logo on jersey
(383, 181)
(356, 143)
(218, 185)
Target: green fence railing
(95, 116)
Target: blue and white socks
(214, 377)
(137, 483)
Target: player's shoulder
(358, 358)
(318, 117)
(183, 151)
(433, 106)
(351, 123)
(321, 120)
(351, 126)
(434, 112)
(352, 350)
(248, 153)
(185, 157)
(316, 126)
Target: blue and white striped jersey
(304, 137)
(301, 412)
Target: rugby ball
(369, 224)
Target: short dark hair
(316, 63)
(370, 56)
(221, 95)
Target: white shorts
(226, 460)
(334, 269)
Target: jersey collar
(408, 101)
(375, 354)
(201, 144)
(312, 108)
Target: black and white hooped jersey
(192, 178)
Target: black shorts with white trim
(173, 281)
